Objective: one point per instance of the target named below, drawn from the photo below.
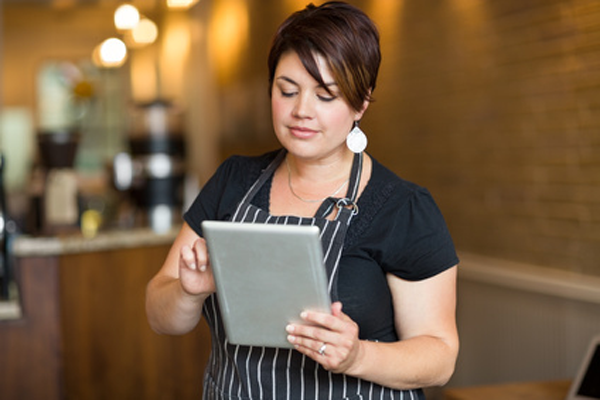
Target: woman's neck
(332, 169)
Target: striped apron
(251, 372)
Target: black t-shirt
(399, 230)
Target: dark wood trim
(84, 334)
(31, 362)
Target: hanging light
(145, 32)
(181, 3)
(111, 53)
(126, 17)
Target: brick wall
(493, 105)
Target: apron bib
(251, 372)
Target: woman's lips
(301, 132)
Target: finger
(336, 308)
(188, 258)
(201, 253)
(309, 336)
(331, 321)
(306, 345)
(317, 318)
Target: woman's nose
(304, 107)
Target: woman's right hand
(195, 273)
(176, 294)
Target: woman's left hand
(329, 339)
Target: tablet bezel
(291, 253)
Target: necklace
(310, 200)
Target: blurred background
(491, 105)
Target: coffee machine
(54, 186)
(153, 171)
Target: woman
(392, 326)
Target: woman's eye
(287, 93)
(326, 98)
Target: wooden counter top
(30, 246)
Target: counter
(82, 331)
(30, 246)
(40, 246)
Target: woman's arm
(425, 321)
(175, 295)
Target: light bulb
(126, 17)
(145, 32)
(112, 52)
(181, 3)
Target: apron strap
(355, 175)
(266, 174)
(347, 206)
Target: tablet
(265, 275)
(586, 385)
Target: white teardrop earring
(356, 139)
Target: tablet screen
(590, 384)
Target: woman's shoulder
(401, 221)
(243, 169)
(221, 194)
(253, 162)
(386, 199)
(386, 183)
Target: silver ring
(322, 349)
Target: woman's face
(308, 121)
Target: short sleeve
(219, 196)
(415, 243)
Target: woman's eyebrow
(285, 78)
(293, 82)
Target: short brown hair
(344, 35)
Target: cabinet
(84, 333)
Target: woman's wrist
(357, 367)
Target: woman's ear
(365, 105)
